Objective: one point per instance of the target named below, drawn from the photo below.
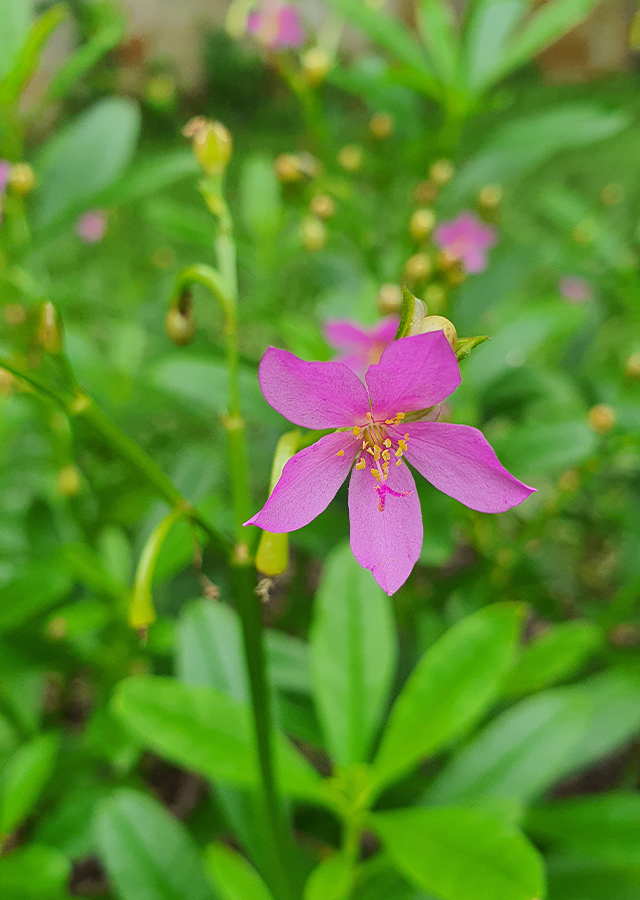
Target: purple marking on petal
(309, 482)
(312, 394)
(386, 531)
(413, 373)
(459, 461)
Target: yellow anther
(368, 415)
(398, 463)
(340, 453)
(369, 450)
(376, 452)
(361, 463)
(375, 474)
(389, 422)
(386, 455)
(406, 437)
(357, 430)
(399, 452)
(387, 443)
(399, 418)
(402, 444)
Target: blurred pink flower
(360, 347)
(467, 238)
(375, 436)
(276, 25)
(91, 227)
(575, 289)
(5, 172)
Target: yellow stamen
(376, 453)
(375, 474)
(399, 418)
(340, 453)
(361, 463)
(402, 445)
(386, 455)
(368, 415)
(369, 450)
(389, 422)
(398, 463)
(387, 443)
(357, 430)
(406, 437)
(399, 452)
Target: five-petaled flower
(91, 226)
(276, 25)
(379, 428)
(358, 346)
(466, 238)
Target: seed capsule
(422, 223)
(323, 206)
(313, 234)
(439, 323)
(418, 267)
(442, 171)
(316, 65)
(22, 179)
(180, 327)
(389, 299)
(602, 418)
(351, 158)
(212, 144)
(381, 126)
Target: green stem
(81, 407)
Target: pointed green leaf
(208, 731)
(438, 28)
(490, 25)
(518, 755)
(232, 876)
(451, 687)
(147, 853)
(461, 854)
(16, 17)
(23, 779)
(353, 656)
(34, 872)
(332, 879)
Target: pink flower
(467, 238)
(575, 289)
(375, 436)
(5, 173)
(91, 227)
(360, 347)
(276, 25)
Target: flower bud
(632, 368)
(442, 171)
(160, 92)
(323, 206)
(426, 192)
(612, 194)
(22, 179)
(68, 482)
(381, 126)
(351, 158)
(287, 168)
(211, 142)
(602, 418)
(389, 299)
(417, 267)
(422, 223)
(180, 323)
(316, 65)
(313, 234)
(50, 335)
(490, 196)
(439, 323)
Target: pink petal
(290, 31)
(459, 461)
(312, 394)
(385, 331)
(386, 541)
(308, 483)
(345, 335)
(474, 260)
(413, 373)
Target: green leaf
(461, 854)
(151, 175)
(29, 57)
(207, 731)
(332, 879)
(546, 448)
(83, 159)
(23, 779)
(545, 26)
(209, 648)
(577, 878)
(34, 872)
(180, 221)
(558, 654)
(232, 875)
(41, 586)
(389, 33)
(16, 17)
(87, 56)
(353, 656)
(438, 28)
(148, 854)
(523, 144)
(518, 755)
(456, 680)
(614, 702)
(288, 660)
(603, 827)
(490, 25)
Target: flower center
(378, 449)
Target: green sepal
(411, 316)
(466, 345)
